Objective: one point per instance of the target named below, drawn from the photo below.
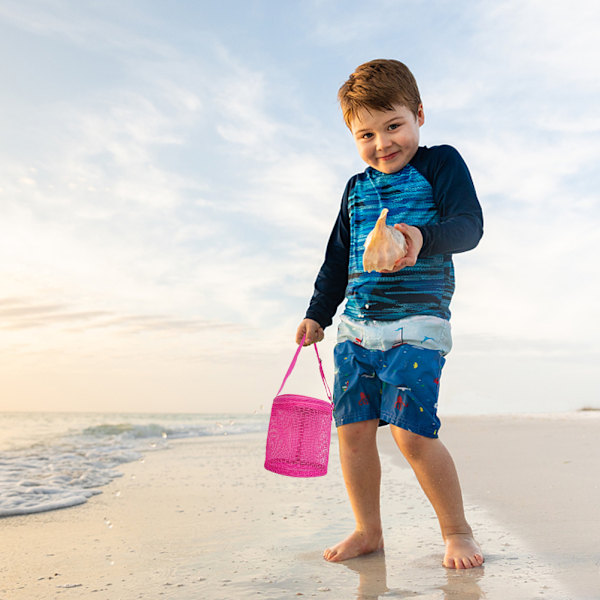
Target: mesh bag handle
(293, 364)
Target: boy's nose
(383, 141)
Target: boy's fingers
(309, 338)
(314, 333)
(313, 336)
(407, 261)
(300, 334)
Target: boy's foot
(462, 552)
(356, 544)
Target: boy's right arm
(331, 282)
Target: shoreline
(203, 519)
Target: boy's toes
(462, 552)
(329, 554)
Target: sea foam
(58, 461)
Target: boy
(395, 328)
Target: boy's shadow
(372, 571)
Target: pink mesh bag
(299, 430)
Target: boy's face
(387, 139)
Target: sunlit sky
(170, 173)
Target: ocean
(56, 460)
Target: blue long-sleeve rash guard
(433, 192)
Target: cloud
(551, 37)
(109, 212)
(106, 26)
(21, 313)
(171, 195)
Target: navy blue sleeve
(331, 282)
(461, 219)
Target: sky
(170, 173)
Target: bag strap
(293, 364)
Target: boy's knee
(412, 445)
(356, 435)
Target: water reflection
(463, 585)
(372, 583)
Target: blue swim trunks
(398, 386)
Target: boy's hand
(414, 243)
(314, 332)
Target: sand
(540, 477)
(203, 520)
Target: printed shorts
(398, 386)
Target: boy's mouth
(389, 156)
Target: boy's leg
(437, 475)
(362, 474)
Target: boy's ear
(420, 115)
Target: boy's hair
(378, 85)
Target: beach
(202, 519)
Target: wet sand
(204, 520)
(539, 476)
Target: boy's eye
(394, 126)
(367, 136)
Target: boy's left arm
(461, 219)
(460, 226)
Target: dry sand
(204, 521)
